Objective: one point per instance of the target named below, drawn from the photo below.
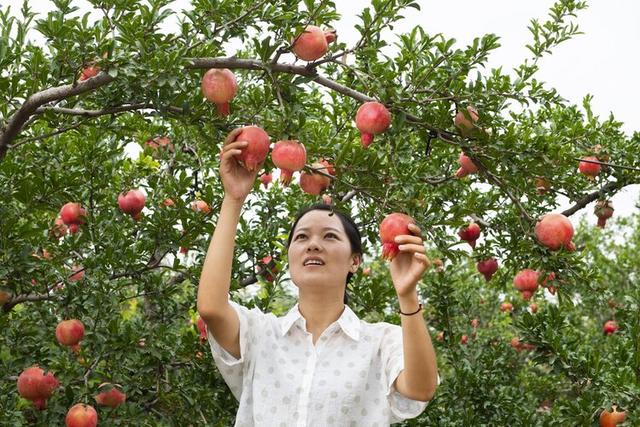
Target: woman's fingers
(232, 136)
(225, 154)
(412, 248)
(408, 238)
(235, 145)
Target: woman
(318, 365)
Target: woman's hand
(410, 262)
(237, 181)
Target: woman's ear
(356, 259)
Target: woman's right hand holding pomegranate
(237, 181)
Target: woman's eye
(331, 234)
(299, 235)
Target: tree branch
(584, 201)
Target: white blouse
(346, 379)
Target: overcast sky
(602, 62)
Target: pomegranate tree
(219, 86)
(590, 170)
(109, 396)
(465, 120)
(37, 387)
(470, 233)
(255, 152)
(372, 119)
(312, 43)
(487, 268)
(466, 166)
(81, 415)
(314, 182)
(555, 231)
(289, 156)
(526, 281)
(604, 211)
(393, 225)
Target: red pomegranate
(160, 143)
(72, 213)
(256, 151)
(81, 415)
(466, 166)
(201, 329)
(611, 419)
(604, 211)
(609, 327)
(289, 156)
(110, 396)
(131, 202)
(78, 273)
(555, 231)
(330, 35)
(464, 121)
(168, 203)
(200, 206)
(506, 306)
(219, 86)
(4, 296)
(533, 307)
(37, 387)
(372, 119)
(315, 183)
(590, 170)
(393, 225)
(69, 332)
(312, 43)
(464, 339)
(266, 179)
(88, 72)
(470, 233)
(526, 281)
(487, 268)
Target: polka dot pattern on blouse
(345, 379)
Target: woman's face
(321, 236)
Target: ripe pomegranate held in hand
(219, 86)
(256, 151)
(69, 332)
(393, 225)
(470, 234)
(466, 166)
(487, 268)
(603, 211)
(289, 156)
(314, 182)
(555, 231)
(110, 396)
(590, 170)
(131, 202)
(372, 119)
(81, 415)
(312, 43)
(526, 281)
(466, 125)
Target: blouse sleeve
(232, 369)
(401, 407)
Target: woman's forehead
(318, 219)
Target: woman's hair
(350, 227)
